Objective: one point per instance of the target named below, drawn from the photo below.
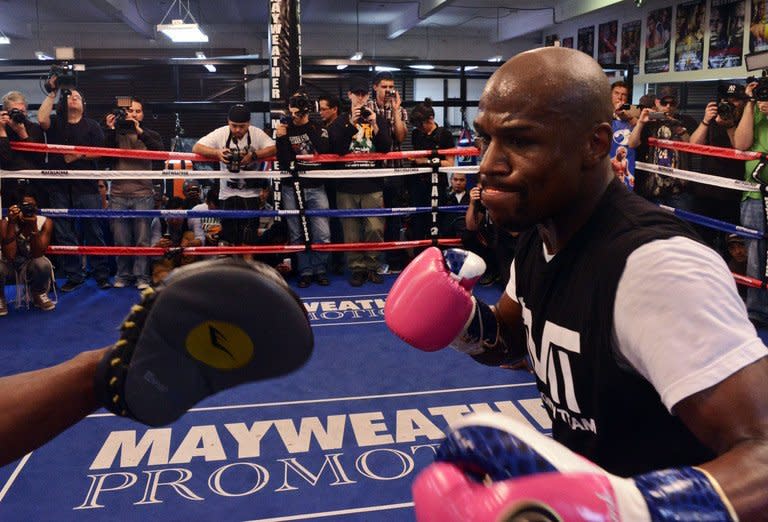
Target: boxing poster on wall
(758, 27)
(586, 40)
(657, 38)
(630, 44)
(568, 42)
(689, 36)
(726, 33)
(550, 39)
(606, 45)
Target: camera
(302, 102)
(121, 123)
(759, 93)
(234, 159)
(285, 119)
(625, 107)
(726, 110)
(28, 209)
(17, 116)
(365, 113)
(656, 115)
(391, 93)
(65, 77)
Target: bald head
(565, 84)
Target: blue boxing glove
(492, 467)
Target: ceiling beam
(572, 8)
(127, 12)
(413, 15)
(523, 23)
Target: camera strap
(230, 139)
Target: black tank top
(599, 407)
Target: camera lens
(17, 116)
(725, 110)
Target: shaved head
(562, 83)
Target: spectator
(302, 136)
(192, 193)
(175, 234)
(388, 103)
(125, 130)
(737, 259)
(335, 125)
(69, 126)
(752, 134)
(207, 229)
(15, 126)
(668, 124)
(238, 145)
(454, 225)
(478, 236)
(25, 238)
(364, 132)
(426, 135)
(718, 127)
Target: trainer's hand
(493, 467)
(210, 326)
(431, 302)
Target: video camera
(65, 77)
(759, 93)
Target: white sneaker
(143, 285)
(43, 302)
(119, 283)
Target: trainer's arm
(208, 152)
(732, 419)
(38, 405)
(744, 135)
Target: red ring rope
(707, 150)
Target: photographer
(69, 126)
(752, 134)
(25, 237)
(125, 131)
(15, 126)
(365, 131)
(238, 145)
(718, 127)
(663, 123)
(297, 135)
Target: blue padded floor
(341, 439)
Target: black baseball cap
(359, 85)
(732, 90)
(239, 114)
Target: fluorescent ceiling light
(179, 32)
(357, 56)
(422, 67)
(495, 59)
(4, 40)
(211, 68)
(341, 67)
(384, 68)
(42, 56)
(467, 68)
(396, 33)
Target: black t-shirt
(440, 138)
(304, 139)
(717, 135)
(600, 408)
(86, 132)
(15, 160)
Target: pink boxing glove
(491, 467)
(431, 302)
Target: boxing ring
(340, 439)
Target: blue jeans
(131, 232)
(319, 228)
(66, 233)
(757, 298)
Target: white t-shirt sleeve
(260, 139)
(511, 289)
(679, 320)
(197, 223)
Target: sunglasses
(667, 102)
